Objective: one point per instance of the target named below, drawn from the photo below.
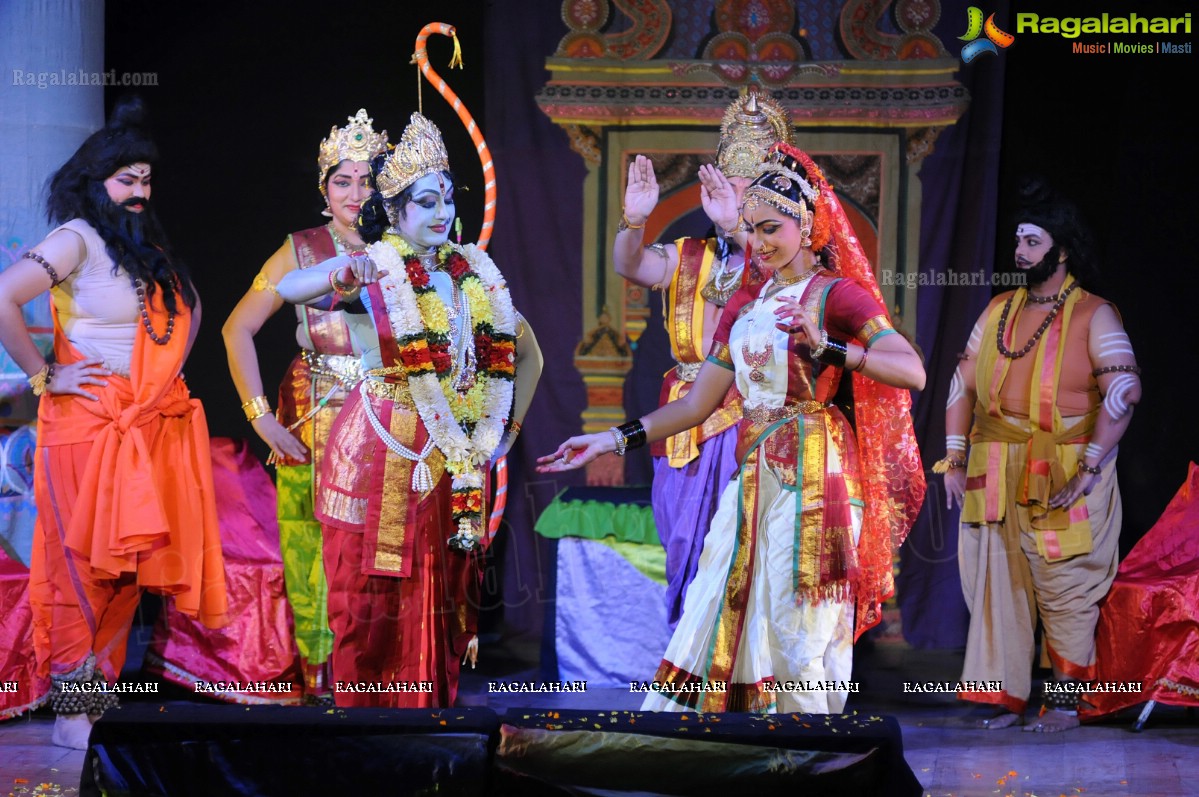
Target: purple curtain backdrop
(537, 243)
(957, 234)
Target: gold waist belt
(397, 392)
(768, 415)
(338, 366)
(688, 371)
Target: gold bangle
(256, 407)
(340, 288)
(520, 329)
(514, 428)
(948, 464)
(628, 225)
(41, 380)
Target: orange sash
(145, 502)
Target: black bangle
(834, 352)
(633, 433)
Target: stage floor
(947, 758)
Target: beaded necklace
(1058, 304)
(141, 306)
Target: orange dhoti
(125, 502)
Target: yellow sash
(684, 318)
(1051, 454)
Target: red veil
(892, 475)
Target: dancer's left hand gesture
(577, 452)
(793, 321)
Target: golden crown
(420, 152)
(751, 125)
(357, 142)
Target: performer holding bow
(450, 368)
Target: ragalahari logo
(995, 39)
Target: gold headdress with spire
(751, 125)
(420, 152)
(356, 142)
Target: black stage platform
(184, 749)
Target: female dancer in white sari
(807, 530)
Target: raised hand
(641, 191)
(577, 452)
(719, 198)
(70, 378)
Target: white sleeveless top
(96, 308)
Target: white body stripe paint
(957, 389)
(1115, 400)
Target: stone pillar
(52, 98)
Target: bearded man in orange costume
(123, 481)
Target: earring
(805, 236)
(805, 225)
(326, 212)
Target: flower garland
(466, 422)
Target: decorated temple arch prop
(867, 83)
